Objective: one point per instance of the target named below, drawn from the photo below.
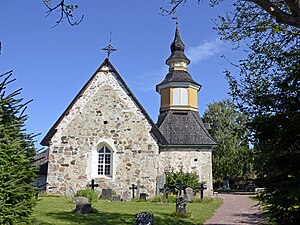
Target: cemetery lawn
(58, 211)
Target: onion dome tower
(179, 120)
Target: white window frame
(180, 96)
(105, 161)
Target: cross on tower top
(109, 48)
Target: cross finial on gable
(109, 48)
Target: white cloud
(148, 80)
(204, 50)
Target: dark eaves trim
(154, 131)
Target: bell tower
(178, 90)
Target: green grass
(59, 211)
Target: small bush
(88, 193)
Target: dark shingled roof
(178, 76)
(184, 128)
(154, 130)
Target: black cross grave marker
(180, 186)
(93, 185)
(202, 188)
(133, 187)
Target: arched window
(104, 161)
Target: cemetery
(60, 211)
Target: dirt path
(236, 209)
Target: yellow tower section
(178, 90)
(179, 98)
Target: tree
(16, 151)
(232, 157)
(65, 11)
(283, 11)
(267, 89)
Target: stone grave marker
(144, 218)
(189, 194)
(80, 200)
(160, 181)
(106, 194)
(125, 196)
(181, 202)
(116, 198)
(82, 205)
(83, 208)
(143, 196)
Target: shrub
(88, 193)
(188, 179)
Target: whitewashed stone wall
(189, 160)
(103, 115)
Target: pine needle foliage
(16, 150)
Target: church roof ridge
(154, 130)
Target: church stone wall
(103, 115)
(190, 160)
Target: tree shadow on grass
(106, 218)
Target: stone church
(105, 134)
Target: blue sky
(52, 64)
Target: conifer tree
(16, 150)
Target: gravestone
(143, 196)
(93, 184)
(180, 187)
(144, 218)
(181, 205)
(83, 208)
(189, 194)
(160, 181)
(202, 189)
(80, 200)
(126, 196)
(133, 187)
(106, 194)
(116, 198)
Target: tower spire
(178, 90)
(177, 50)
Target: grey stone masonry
(104, 115)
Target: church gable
(104, 117)
(106, 74)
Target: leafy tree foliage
(282, 11)
(267, 89)
(232, 159)
(16, 151)
(188, 179)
